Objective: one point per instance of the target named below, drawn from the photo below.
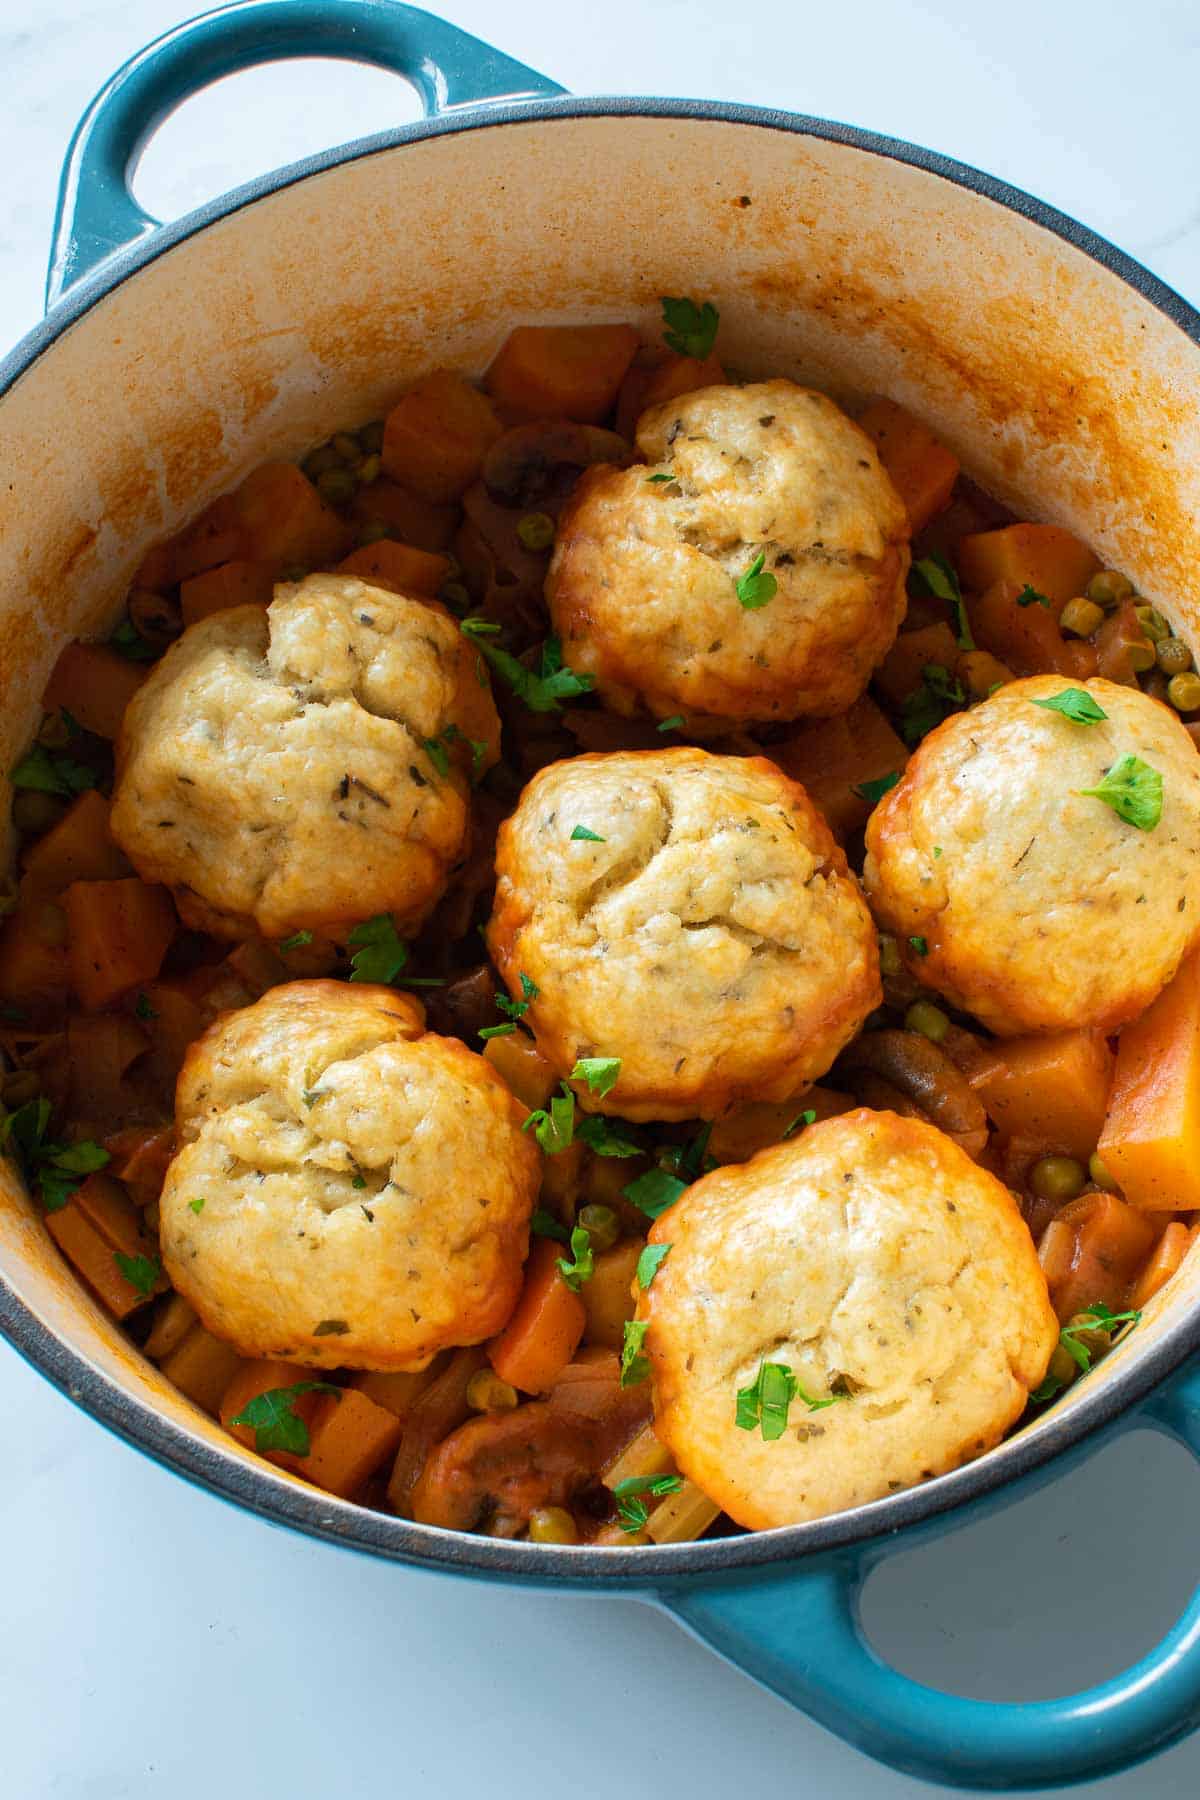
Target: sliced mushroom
(925, 1075)
(536, 465)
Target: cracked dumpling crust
(1041, 908)
(366, 1185)
(714, 939)
(273, 770)
(642, 585)
(869, 1252)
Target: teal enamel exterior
(789, 1621)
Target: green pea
(1062, 1367)
(54, 731)
(336, 486)
(536, 531)
(486, 1392)
(370, 532)
(1109, 588)
(1057, 1178)
(1152, 623)
(1174, 657)
(1081, 617)
(601, 1224)
(1183, 691)
(1100, 1173)
(1087, 1331)
(369, 470)
(34, 812)
(552, 1525)
(928, 1019)
(1141, 656)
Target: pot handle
(801, 1635)
(97, 213)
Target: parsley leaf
(942, 583)
(688, 329)
(331, 1328)
(487, 1032)
(603, 1139)
(1096, 1315)
(654, 1191)
(542, 690)
(650, 1262)
(920, 945)
(554, 1127)
(544, 1224)
(764, 1403)
(635, 1366)
(582, 1264)
(600, 1073)
(873, 791)
(452, 735)
(197, 1205)
(60, 1168)
(380, 951)
(1029, 596)
(273, 1418)
(141, 1272)
(143, 1008)
(128, 642)
(583, 835)
(631, 1509)
(1134, 791)
(515, 1009)
(756, 586)
(676, 722)
(1075, 704)
(438, 755)
(808, 1117)
(937, 697)
(653, 480)
(297, 941)
(50, 772)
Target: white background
(155, 1642)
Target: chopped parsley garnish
(631, 1508)
(380, 952)
(488, 1032)
(541, 690)
(654, 1191)
(756, 586)
(808, 1117)
(676, 722)
(688, 329)
(873, 791)
(197, 1205)
(297, 941)
(141, 1272)
(599, 1072)
(479, 749)
(937, 697)
(438, 755)
(554, 1126)
(942, 582)
(274, 1421)
(1075, 704)
(1029, 596)
(764, 1404)
(650, 1262)
(603, 1138)
(128, 642)
(143, 1008)
(1134, 791)
(582, 1264)
(515, 1009)
(583, 834)
(634, 1365)
(50, 772)
(58, 1168)
(1094, 1317)
(331, 1328)
(544, 1224)
(920, 945)
(652, 480)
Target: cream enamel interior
(1065, 392)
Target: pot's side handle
(800, 1634)
(97, 213)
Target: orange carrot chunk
(1165, 1259)
(1045, 557)
(1027, 638)
(436, 436)
(923, 471)
(541, 1337)
(562, 371)
(97, 1225)
(833, 758)
(1110, 1243)
(899, 674)
(117, 935)
(414, 521)
(398, 567)
(285, 522)
(95, 685)
(1049, 1091)
(237, 583)
(352, 1436)
(78, 848)
(202, 1367)
(33, 953)
(261, 1377)
(1151, 1137)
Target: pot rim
(259, 1488)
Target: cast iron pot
(175, 358)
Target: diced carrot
(831, 758)
(352, 1436)
(261, 1377)
(436, 436)
(414, 521)
(1151, 1137)
(395, 1390)
(173, 1319)
(176, 1019)
(1045, 557)
(659, 378)
(33, 953)
(237, 583)
(522, 1067)
(980, 673)
(141, 1155)
(1027, 638)
(923, 471)
(97, 1225)
(758, 1124)
(1110, 1243)
(1050, 1091)
(546, 1326)
(217, 536)
(78, 848)
(899, 674)
(562, 371)
(95, 685)
(101, 1048)
(203, 1368)
(608, 1296)
(1167, 1256)
(285, 521)
(1116, 640)
(398, 567)
(117, 935)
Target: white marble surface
(157, 1642)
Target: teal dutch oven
(174, 358)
